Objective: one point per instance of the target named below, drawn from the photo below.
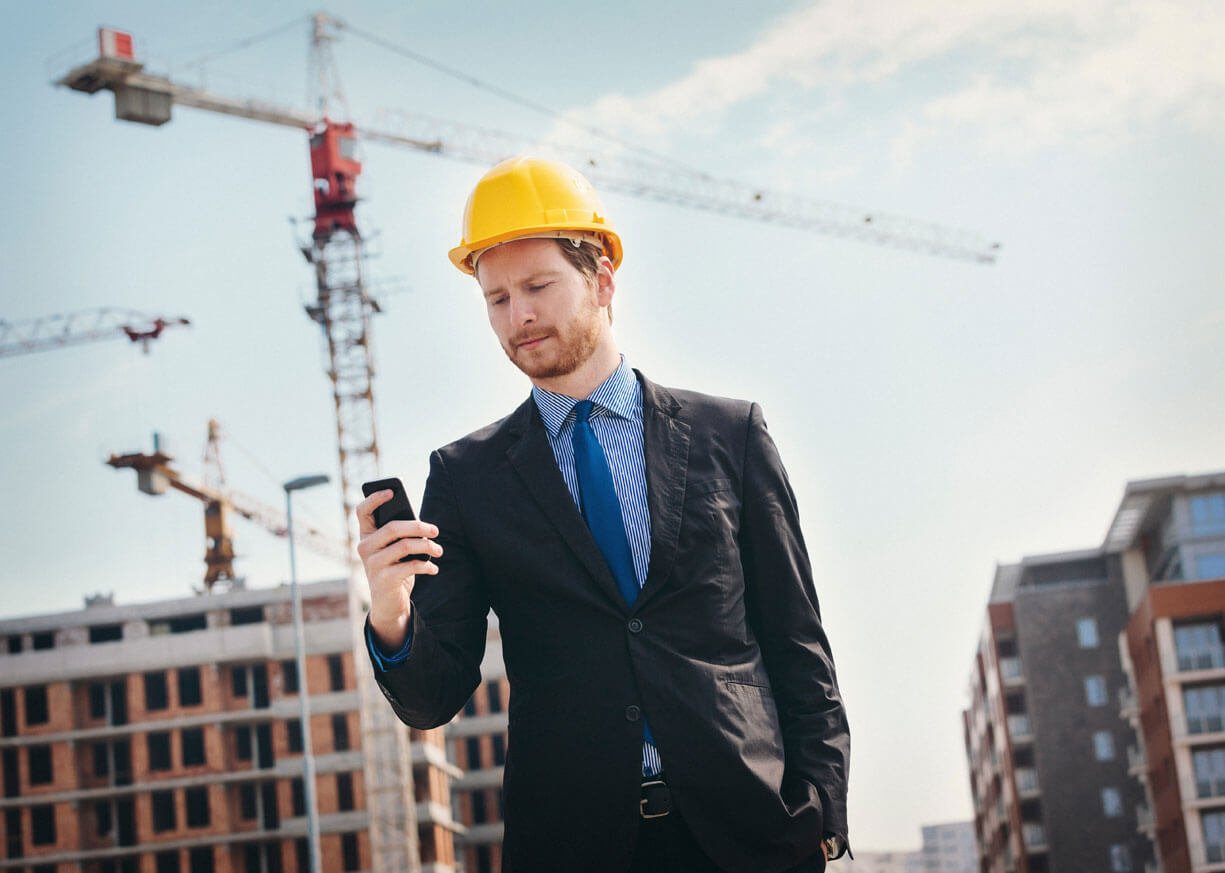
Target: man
(673, 706)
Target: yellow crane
(155, 475)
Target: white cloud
(1027, 74)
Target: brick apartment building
(165, 738)
(1070, 768)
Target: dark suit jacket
(727, 655)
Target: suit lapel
(532, 458)
(666, 445)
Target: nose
(521, 309)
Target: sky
(936, 417)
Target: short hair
(584, 257)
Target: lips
(532, 343)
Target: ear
(605, 282)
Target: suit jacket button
(635, 625)
(632, 713)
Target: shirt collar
(619, 394)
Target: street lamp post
(308, 752)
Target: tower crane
(56, 331)
(155, 474)
(343, 307)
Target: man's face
(546, 314)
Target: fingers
(365, 511)
(394, 552)
(376, 540)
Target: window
(192, 741)
(348, 847)
(97, 700)
(163, 811)
(470, 706)
(242, 742)
(102, 759)
(167, 862)
(158, 744)
(494, 690)
(155, 691)
(44, 640)
(187, 623)
(1120, 859)
(247, 615)
(1103, 746)
(1199, 645)
(1209, 771)
(14, 645)
(1095, 690)
(39, 759)
(294, 728)
(1213, 824)
(289, 676)
(297, 795)
(201, 860)
(103, 817)
(42, 824)
(36, 705)
(238, 677)
(1112, 802)
(105, 633)
(1204, 705)
(1208, 513)
(189, 686)
(479, 814)
(1086, 633)
(246, 801)
(1210, 566)
(484, 860)
(340, 732)
(474, 753)
(344, 791)
(499, 750)
(336, 672)
(197, 807)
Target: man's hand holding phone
(394, 548)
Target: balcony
(1027, 781)
(1019, 727)
(1137, 761)
(1144, 819)
(1011, 671)
(1034, 836)
(1212, 658)
(1128, 708)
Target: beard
(567, 349)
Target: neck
(589, 375)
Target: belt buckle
(642, 804)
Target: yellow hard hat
(531, 197)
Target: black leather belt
(656, 798)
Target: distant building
(949, 848)
(1071, 643)
(477, 738)
(165, 738)
(879, 862)
(1170, 534)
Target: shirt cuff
(386, 662)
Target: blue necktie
(602, 510)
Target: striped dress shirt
(616, 421)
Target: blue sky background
(936, 417)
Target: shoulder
(493, 439)
(697, 407)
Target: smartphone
(398, 508)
